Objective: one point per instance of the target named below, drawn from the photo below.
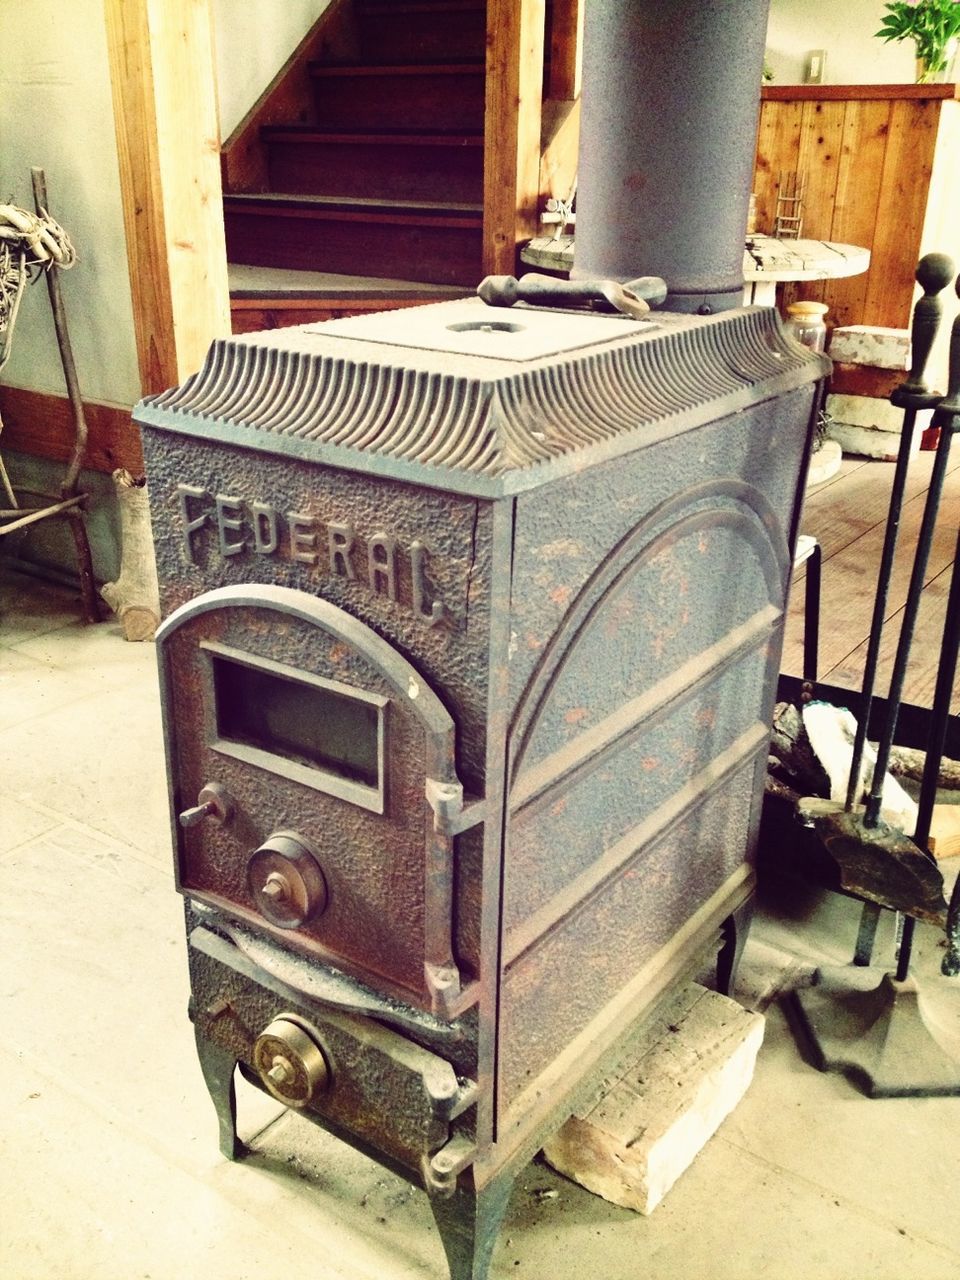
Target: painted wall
(56, 112)
(854, 55)
(254, 38)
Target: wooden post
(566, 49)
(511, 158)
(168, 144)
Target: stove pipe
(671, 97)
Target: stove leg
(734, 929)
(469, 1222)
(219, 1067)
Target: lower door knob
(290, 1063)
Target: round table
(768, 262)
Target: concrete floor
(109, 1165)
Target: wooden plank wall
(41, 424)
(867, 154)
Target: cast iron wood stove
(474, 622)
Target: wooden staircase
(377, 176)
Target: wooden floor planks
(858, 502)
(924, 651)
(848, 516)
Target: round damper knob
(286, 881)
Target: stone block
(869, 442)
(871, 344)
(683, 1073)
(865, 411)
(864, 380)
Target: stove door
(304, 754)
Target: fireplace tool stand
(882, 1036)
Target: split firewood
(832, 731)
(135, 596)
(799, 767)
(907, 762)
(782, 790)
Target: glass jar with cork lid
(805, 322)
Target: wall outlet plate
(815, 66)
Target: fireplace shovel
(882, 1036)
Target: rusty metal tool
(934, 273)
(874, 861)
(881, 1036)
(945, 417)
(632, 299)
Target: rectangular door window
(320, 732)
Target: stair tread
(368, 8)
(363, 204)
(283, 282)
(399, 137)
(321, 70)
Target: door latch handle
(213, 802)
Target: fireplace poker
(880, 1036)
(934, 273)
(944, 416)
(947, 418)
(878, 863)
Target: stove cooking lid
(470, 328)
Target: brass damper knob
(285, 880)
(290, 1062)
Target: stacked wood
(869, 361)
(793, 770)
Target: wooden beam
(250, 315)
(511, 160)
(560, 146)
(168, 145)
(566, 49)
(42, 425)
(822, 92)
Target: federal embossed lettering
(382, 565)
(266, 533)
(232, 526)
(303, 538)
(190, 524)
(430, 613)
(340, 541)
(229, 520)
